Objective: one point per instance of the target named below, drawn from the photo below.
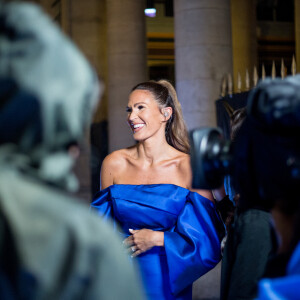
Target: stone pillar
(85, 23)
(244, 40)
(297, 33)
(126, 64)
(203, 54)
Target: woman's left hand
(142, 240)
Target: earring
(166, 114)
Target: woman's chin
(138, 138)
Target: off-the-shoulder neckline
(148, 185)
(154, 185)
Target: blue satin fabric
(287, 287)
(190, 223)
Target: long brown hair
(165, 95)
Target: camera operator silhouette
(263, 162)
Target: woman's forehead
(141, 96)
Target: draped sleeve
(193, 246)
(102, 204)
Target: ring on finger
(133, 249)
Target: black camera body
(211, 157)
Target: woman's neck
(153, 151)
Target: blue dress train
(192, 233)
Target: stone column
(203, 54)
(126, 64)
(244, 40)
(85, 23)
(297, 33)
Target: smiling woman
(167, 104)
(173, 233)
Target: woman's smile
(136, 127)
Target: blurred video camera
(270, 133)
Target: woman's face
(144, 115)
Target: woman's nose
(132, 115)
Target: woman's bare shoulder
(119, 158)
(183, 170)
(184, 163)
(113, 165)
(116, 159)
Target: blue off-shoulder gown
(192, 232)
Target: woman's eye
(140, 107)
(128, 110)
